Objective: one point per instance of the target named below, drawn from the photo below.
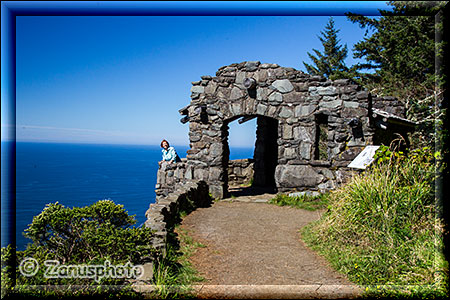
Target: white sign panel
(365, 158)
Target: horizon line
(102, 143)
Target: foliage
(98, 234)
(303, 201)
(323, 142)
(101, 230)
(188, 246)
(402, 52)
(7, 275)
(330, 63)
(173, 272)
(382, 231)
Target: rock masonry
(296, 115)
(308, 130)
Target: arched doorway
(264, 161)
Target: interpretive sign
(365, 158)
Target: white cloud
(62, 134)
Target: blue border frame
(11, 9)
(189, 8)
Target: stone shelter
(308, 129)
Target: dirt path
(258, 244)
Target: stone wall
(308, 128)
(171, 176)
(296, 101)
(240, 172)
(163, 215)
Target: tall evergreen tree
(401, 52)
(330, 63)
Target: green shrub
(99, 234)
(381, 228)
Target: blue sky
(122, 79)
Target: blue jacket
(170, 154)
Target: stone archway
(309, 128)
(265, 157)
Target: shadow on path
(240, 191)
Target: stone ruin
(308, 129)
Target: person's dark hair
(163, 142)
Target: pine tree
(402, 44)
(330, 63)
(401, 52)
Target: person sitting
(168, 153)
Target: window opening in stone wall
(321, 140)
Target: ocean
(81, 174)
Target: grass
(305, 201)
(188, 247)
(382, 232)
(247, 184)
(173, 274)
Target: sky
(122, 79)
